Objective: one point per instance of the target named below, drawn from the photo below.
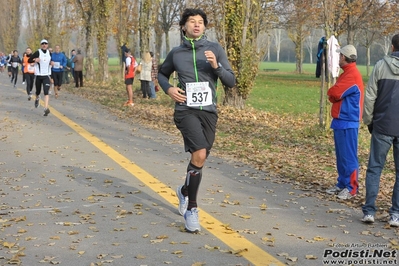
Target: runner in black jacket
(199, 63)
(15, 62)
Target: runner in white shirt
(43, 64)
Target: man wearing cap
(346, 96)
(43, 64)
(381, 104)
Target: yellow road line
(237, 242)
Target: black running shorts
(57, 77)
(129, 81)
(198, 128)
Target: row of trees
(239, 25)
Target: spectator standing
(381, 104)
(154, 75)
(346, 96)
(130, 67)
(123, 53)
(78, 60)
(145, 75)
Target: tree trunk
(268, 54)
(86, 10)
(368, 61)
(324, 116)
(349, 21)
(299, 53)
(158, 46)
(145, 19)
(102, 18)
(277, 42)
(167, 42)
(102, 73)
(322, 92)
(278, 55)
(158, 33)
(233, 98)
(89, 61)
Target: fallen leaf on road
(177, 252)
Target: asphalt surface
(84, 187)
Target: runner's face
(44, 46)
(194, 27)
(28, 51)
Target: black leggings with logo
(45, 81)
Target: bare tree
(125, 24)
(385, 43)
(264, 44)
(86, 10)
(169, 15)
(309, 44)
(277, 40)
(298, 18)
(10, 24)
(144, 25)
(158, 32)
(103, 11)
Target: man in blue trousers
(346, 96)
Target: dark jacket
(15, 61)
(381, 102)
(190, 63)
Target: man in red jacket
(346, 97)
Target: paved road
(83, 187)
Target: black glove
(370, 127)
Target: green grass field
(285, 91)
(281, 91)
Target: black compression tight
(191, 185)
(14, 73)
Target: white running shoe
(183, 201)
(394, 221)
(344, 194)
(192, 221)
(368, 219)
(333, 190)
